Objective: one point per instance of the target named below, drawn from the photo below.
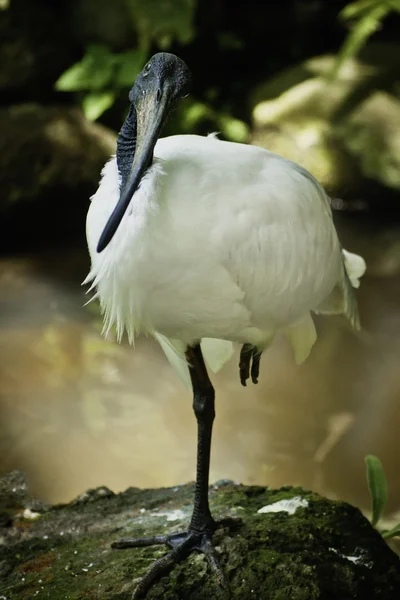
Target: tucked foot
(181, 544)
(249, 363)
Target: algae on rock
(287, 544)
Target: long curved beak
(150, 114)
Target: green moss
(325, 550)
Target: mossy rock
(287, 544)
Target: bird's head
(164, 80)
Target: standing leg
(202, 525)
(204, 409)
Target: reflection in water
(77, 411)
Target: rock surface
(288, 544)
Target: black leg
(249, 355)
(255, 365)
(202, 525)
(204, 409)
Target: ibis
(203, 243)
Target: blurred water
(77, 411)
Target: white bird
(201, 243)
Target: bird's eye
(147, 69)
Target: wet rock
(51, 158)
(14, 491)
(287, 544)
(16, 502)
(310, 117)
(93, 495)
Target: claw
(255, 366)
(182, 545)
(159, 568)
(244, 363)
(212, 558)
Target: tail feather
(216, 353)
(342, 299)
(354, 268)
(174, 350)
(350, 307)
(302, 336)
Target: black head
(163, 73)
(164, 80)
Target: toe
(255, 365)
(244, 363)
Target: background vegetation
(315, 80)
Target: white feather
(221, 241)
(216, 352)
(302, 336)
(174, 350)
(355, 266)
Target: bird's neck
(126, 145)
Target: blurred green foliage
(364, 17)
(378, 489)
(377, 486)
(101, 75)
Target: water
(77, 411)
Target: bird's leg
(202, 525)
(249, 355)
(204, 409)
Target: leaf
(194, 113)
(95, 104)
(356, 9)
(362, 30)
(93, 72)
(377, 485)
(391, 533)
(234, 129)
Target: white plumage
(222, 241)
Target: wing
(342, 299)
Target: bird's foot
(249, 355)
(182, 545)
